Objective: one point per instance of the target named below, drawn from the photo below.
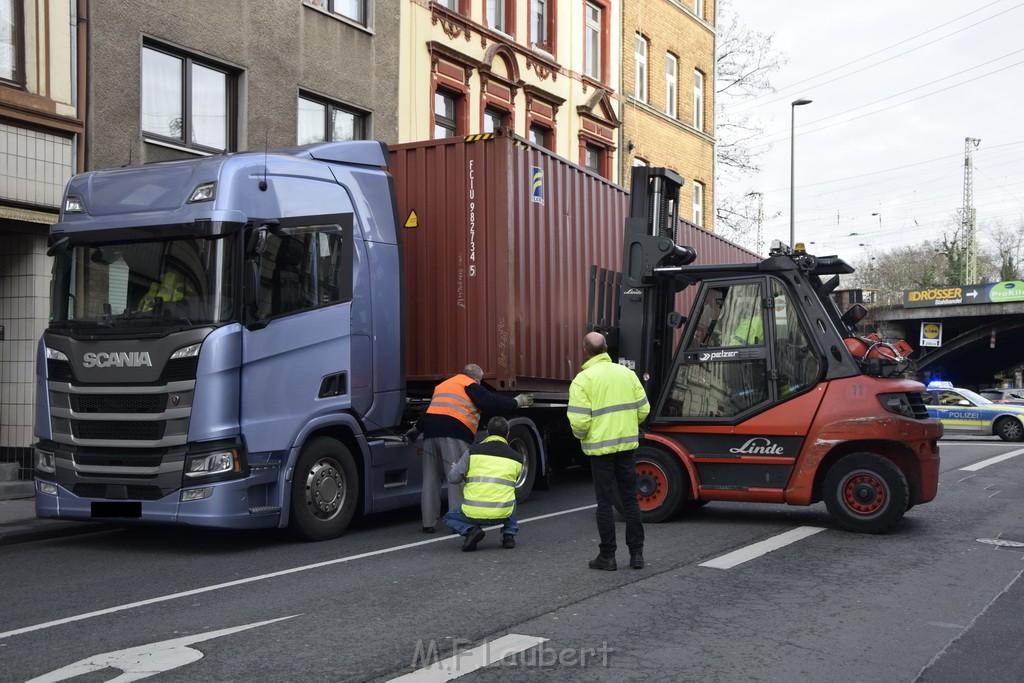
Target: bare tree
(744, 64)
(1007, 245)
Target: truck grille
(135, 492)
(176, 370)
(116, 460)
(118, 403)
(117, 430)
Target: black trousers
(617, 470)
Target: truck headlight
(45, 462)
(213, 463)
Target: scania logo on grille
(117, 359)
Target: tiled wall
(24, 309)
(34, 166)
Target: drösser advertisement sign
(959, 295)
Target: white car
(963, 411)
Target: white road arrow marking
(144, 661)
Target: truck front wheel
(324, 490)
(866, 493)
(659, 486)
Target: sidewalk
(19, 524)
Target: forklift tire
(866, 493)
(520, 438)
(659, 486)
(325, 490)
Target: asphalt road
(938, 599)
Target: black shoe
(429, 529)
(508, 541)
(604, 563)
(473, 536)
(636, 560)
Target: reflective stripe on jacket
(450, 398)
(607, 403)
(490, 490)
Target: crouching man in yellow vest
(490, 470)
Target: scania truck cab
(222, 350)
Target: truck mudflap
(239, 504)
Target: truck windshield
(171, 283)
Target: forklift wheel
(660, 480)
(865, 492)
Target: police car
(965, 412)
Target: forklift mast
(647, 319)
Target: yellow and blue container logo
(537, 185)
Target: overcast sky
(896, 87)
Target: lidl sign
(986, 293)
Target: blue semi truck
(226, 344)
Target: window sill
(338, 17)
(179, 147)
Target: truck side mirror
(257, 242)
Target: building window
(698, 8)
(540, 25)
(10, 48)
(446, 109)
(323, 121)
(640, 71)
(592, 42)
(671, 64)
(698, 100)
(351, 9)
(539, 135)
(187, 101)
(637, 161)
(498, 15)
(698, 204)
(453, 5)
(494, 119)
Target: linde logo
(118, 359)
(716, 355)
(758, 446)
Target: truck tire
(325, 490)
(520, 438)
(660, 482)
(1010, 429)
(866, 493)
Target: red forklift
(769, 396)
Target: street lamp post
(792, 172)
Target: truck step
(264, 510)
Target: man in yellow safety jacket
(607, 403)
(490, 470)
(449, 427)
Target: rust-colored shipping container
(501, 235)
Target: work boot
(508, 541)
(604, 563)
(429, 529)
(636, 560)
(473, 536)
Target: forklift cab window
(798, 365)
(723, 369)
